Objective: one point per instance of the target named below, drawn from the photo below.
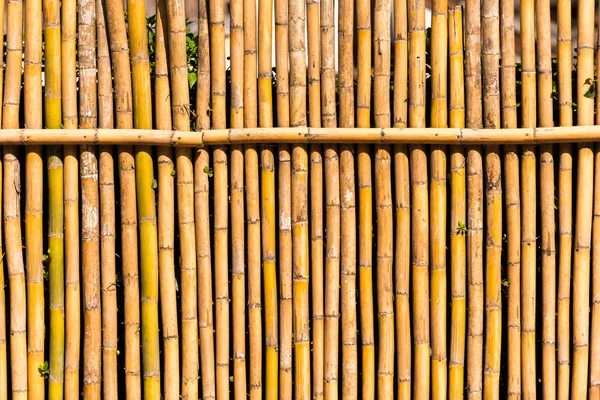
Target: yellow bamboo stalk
(314, 72)
(267, 223)
(512, 198)
(565, 68)
(458, 214)
(217, 76)
(363, 115)
(439, 119)
(106, 112)
(282, 63)
(53, 120)
(491, 117)
(269, 272)
(90, 246)
(236, 52)
(285, 270)
(204, 79)
(32, 78)
(400, 65)
(346, 62)
(2, 49)
(594, 388)
(3, 319)
(420, 206)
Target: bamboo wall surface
(389, 209)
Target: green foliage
(44, 370)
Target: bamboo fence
(388, 210)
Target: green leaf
(173, 173)
(208, 170)
(154, 184)
(591, 92)
(44, 370)
(192, 79)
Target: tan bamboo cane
(299, 205)
(251, 156)
(439, 119)
(491, 117)
(285, 270)
(512, 198)
(402, 185)
(313, 43)
(53, 120)
(316, 265)
(2, 50)
(238, 270)
(332, 210)
(108, 272)
(584, 212)
(166, 211)
(3, 341)
(201, 206)
(92, 339)
(474, 112)
(217, 58)
(383, 197)
(32, 79)
(267, 221)
(528, 201)
(347, 202)
(90, 233)
(458, 213)
(363, 115)
(107, 211)
(420, 203)
(594, 385)
(332, 272)
(281, 63)
(547, 187)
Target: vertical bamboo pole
(251, 156)
(474, 114)
(314, 62)
(512, 197)
(548, 231)
(281, 63)
(217, 58)
(491, 117)
(107, 212)
(528, 199)
(347, 202)
(439, 119)
(32, 78)
(201, 206)
(144, 176)
(53, 120)
(2, 50)
(90, 233)
(92, 340)
(166, 211)
(12, 205)
(316, 265)
(383, 197)
(420, 203)
(108, 272)
(363, 115)
(332, 268)
(402, 184)
(299, 206)
(238, 277)
(267, 216)
(332, 204)
(581, 265)
(3, 319)
(285, 270)
(458, 211)
(594, 388)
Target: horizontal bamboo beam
(575, 134)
